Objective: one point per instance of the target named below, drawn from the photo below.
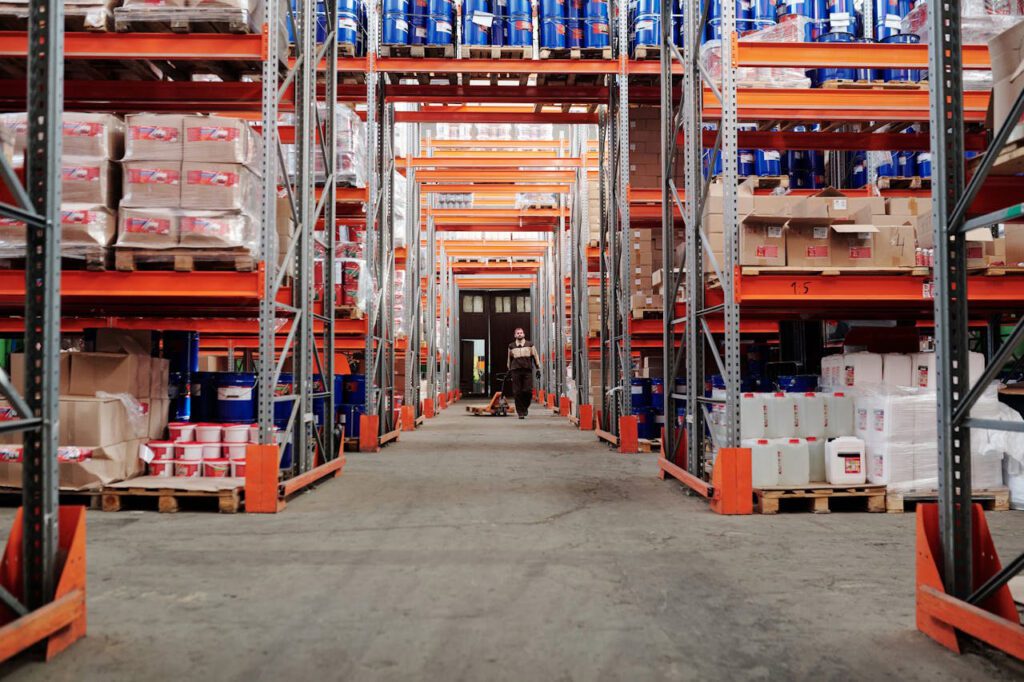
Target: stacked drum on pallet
(418, 22)
(501, 23)
(574, 24)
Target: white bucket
(208, 433)
(238, 468)
(188, 469)
(816, 459)
(182, 431)
(235, 450)
(162, 449)
(810, 415)
(212, 451)
(216, 468)
(838, 415)
(844, 459)
(236, 433)
(192, 452)
(162, 468)
(764, 462)
(794, 461)
(254, 433)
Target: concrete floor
(497, 549)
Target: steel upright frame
(578, 283)
(956, 394)
(686, 116)
(413, 284)
(379, 248)
(312, 363)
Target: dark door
(508, 310)
(492, 316)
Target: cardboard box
(216, 230)
(111, 372)
(775, 204)
(154, 137)
(911, 206)
(151, 184)
(124, 340)
(744, 198)
(18, 372)
(86, 225)
(213, 363)
(646, 301)
(1006, 53)
(984, 250)
(1014, 247)
(158, 416)
(896, 241)
(148, 228)
(103, 421)
(213, 139)
(88, 180)
(840, 206)
(106, 465)
(217, 187)
(92, 135)
(763, 240)
(853, 245)
(809, 243)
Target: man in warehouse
(522, 362)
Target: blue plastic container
(835, 74)
(552, 9)
(395, 6)
(842, 16)
(575, 10)
(598, 9)
(417, 30)
(519, 31)
(395, 29)
(768, 162)
(498, 30)
(353, 389)
(441, 8)
(924, 164)
(349, 28)
(887, 168)
(658, 394)
(859, 171)
(204, 396)
(902, 75)
(418, 8)
(283, 410)
(236, 397)
(798, 383)
(713, 30)
(573, 33)
(745, 165)
(596, 33)
(645, 423)
(647, 30)
(714, 12)
(640, 392)
(440, 30)
(679, 31)
(182, 350)
(350, 416)
(905, 164)
(643, 7)
(517, 8)
(553, 33)
(764, 11)
(472, 32)
(888, 17)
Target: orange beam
(488, 66)
(877, 55)
(495, 162)
(138, 46)
(509, 188)
(499, 176)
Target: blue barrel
(498, 30)
(574, 10)
(764, 11)
(440, 8)
(319, 404)
(440, 30)
(902, 75)
(236, 397)
(888, 20)
(924, 164)
(680, 386)
(286, 456)
(905, 164)
(658, 394)
(679, 31)
(713, 30)
(798, 383)
(598, 9)
(473, 33)
(349, 29)
(182, 351)
(842, 17)
(640, 392)
(647, 30)
(714, 12)
(645, 423)
(417, 30)
(396, 29)
(859, 170)
(639, 7)
(353, 389)
(350, 415)
(179, 390)
(204, 396)
(552, 9)
(573, 33)
(596, 33)
(395, 6)
(283, 410)
(745, 163)
(768, 162)
(887, 168)
(517, 8)
(418, 8)
(519, 31)
(552, 33)
(835, 74)
(817, 169)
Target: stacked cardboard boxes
(645, 148)
(111, 402)
(646, 256)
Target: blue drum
(395, 6)
(418, 8)
(658, 394)
(888, 19)
(596, 33)
(349, 29)
(638, 7)
(439, 30)
(477, 32)
(768, 162)
(886, 169)
(574, 10)
(647, 30)
(519, 31)
(745, 163)
(924, 164)
(598, 10)
(905, 164)
(204, 397)
(395, 29)
(236, 397)
(859, 171)
(841, 16)
(518, 8)
(835, 74)
(902, 75)
(552, 9)
(573, 33)
(498, 30)
(764, 11)
(553, 33)
(440, 8)
(640, 393)
(417, 30)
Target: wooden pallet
(96, 259)
(767, 181)
(170, 500)
(819, 498)
(494, 52)
(647, 313)
(183, 260)
(872, 85)
(649, 445)
(183, 20)
(990, 499)
(348, 312)
(647, 52)
(576, 53)
(10, 496)
(418, 51)
(1010, 161)
(911, 182)
(832, 272)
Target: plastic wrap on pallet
(534, 132)
(79, 15)
(166, 228)
(791, 31)
(351, 154)
(493, 131)
(980, 20)
(454, 131)
(83, 227)
(238, 15)
(526, 200)
(398, 206)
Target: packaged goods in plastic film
(351, 149)
(216, 229)
(99, 136)
(82, 225)
(534, 132)
(218, 187)
(216, 139)
(238, 15)
(151, 184)
(526, 200)
(790, 31)
(454, 131)
(88, 180)
(154, 137)
(155, 228)
(136, 412)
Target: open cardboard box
(1006, 53)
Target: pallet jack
(498, 406)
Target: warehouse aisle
(499, 549)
